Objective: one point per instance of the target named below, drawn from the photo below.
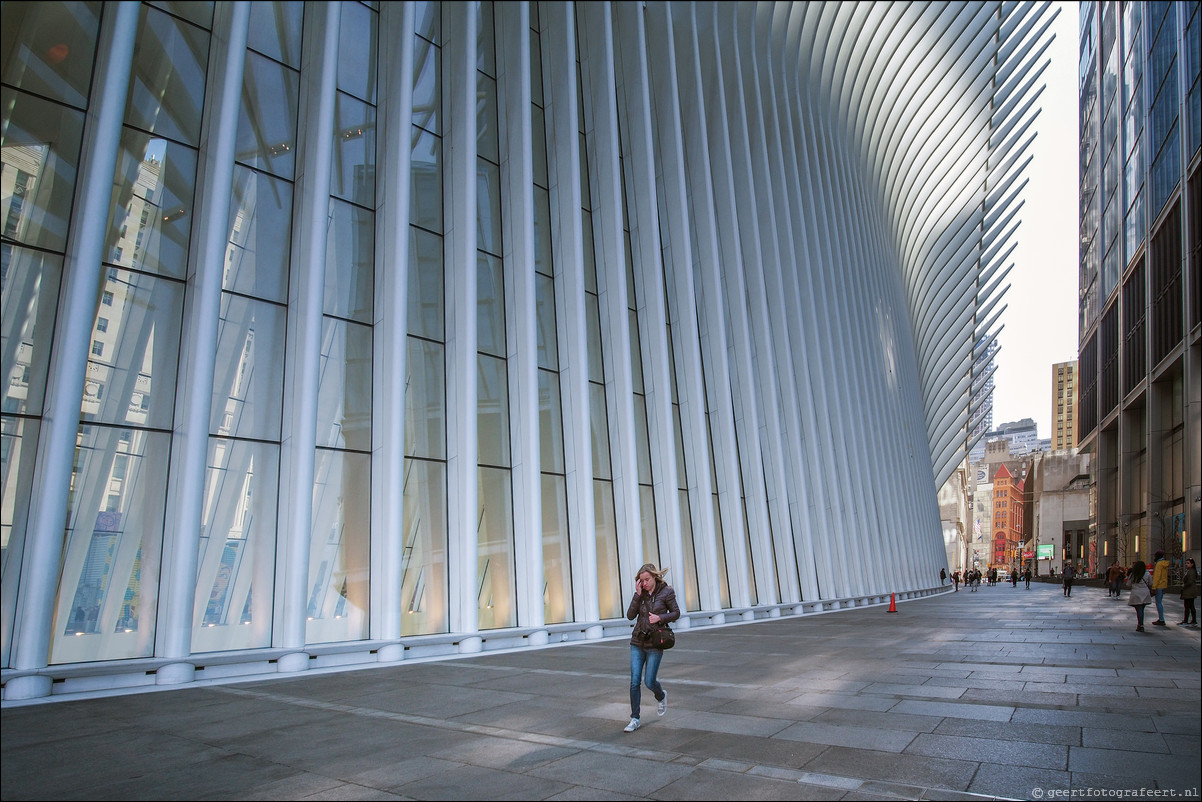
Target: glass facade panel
(488, 203)
(267, 116)
(344, 394)
(132, 366)
(275, 30)
(350, 262)
(490, 305)
(353, 171)
(610, 593)
(30, 299)
(424, 559)
(249, 379)
(550, 420)
(39, 154)
(108, 587)
(52, 46)
(545, 323)
(339, 549)
(492, 425)
(151, 211)
(599, 430)
(427, 85)
(18, 450)
(235, 569)
(425, 400)
(166, 88)
(357, 51)
(495, 555)
(486, 119)
(425, 207)
(256, 259)
(557, 558)
(425, 277)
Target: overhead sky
(1040, 322)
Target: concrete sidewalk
(1001, 693)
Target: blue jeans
(640, 657)
(1160, 604)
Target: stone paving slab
(934, 702)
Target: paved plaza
(1001, 693)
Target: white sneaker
(663, 704)
(632, 726)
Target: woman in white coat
(1141, 591)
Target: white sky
(1040, 322)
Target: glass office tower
(1141, 290)
(341, 333)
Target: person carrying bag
(654, 606)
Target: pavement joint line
(774, 772)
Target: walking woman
(1141, 591)
(1189, 592)
(653, 603)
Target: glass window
(427, 20)
(427, 85)
(353, 171)
(357, 51)
(424, 558)
(599, 430)
(542, 232)
(486, 50)
(495, 550)
(344, 392)
(150, 216)
(249, 371)
(425, 280)
(486, 119)
(108, 588)
(166, 87)
(490, 305)
(557, 556)
(544, 323)
(39, 149)
(350, 262)
(267, 116)
(50, 48)
(550, 422)
(256, 259)
(425, 201)
(275, 30)
(29, 302)
(339, 548)
(488, 207)
(492, 434)
(425, 399)
(538, 142)
(536, 69)
(235, 569)
(139, 371)
(609, 585)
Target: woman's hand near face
(653, 618)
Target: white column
(641, 164)
(459, 29)
(682, 300)
(82, 274)
(395, 112)
(562, 107)
(597, 62)
(198, 349)
(517, 181)
(319, 73)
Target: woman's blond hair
(650, 568)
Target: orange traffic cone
(892, 603)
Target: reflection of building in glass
(419, 338)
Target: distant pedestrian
(1160, 581)
(1014, 577)
(1114, 576)
(942, 577)
(1027, 577)
(1141, 591)
(956, 579)
(1069, 573)
(653, 604)
(1189, 592)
